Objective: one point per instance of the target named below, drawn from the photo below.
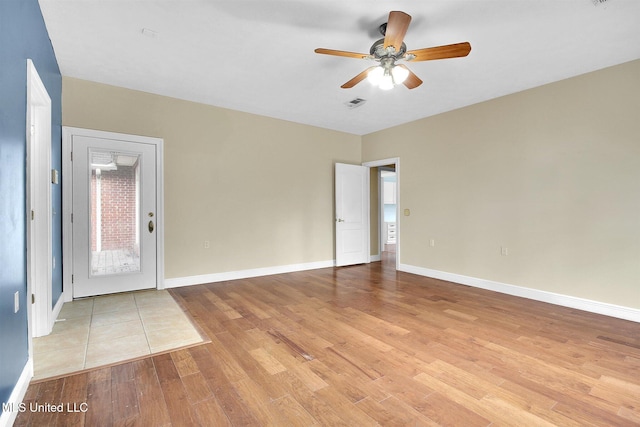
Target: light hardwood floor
(366, 345)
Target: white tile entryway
(103, 330)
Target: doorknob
(150, 226)
(340, 220)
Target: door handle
(151, 227)
(340, 220)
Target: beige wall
(259, 189)
(552, 173)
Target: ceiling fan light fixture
(375, 76)
(387, 82)
(387, 75)
(399, 74)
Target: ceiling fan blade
(412, 81)
(341, 53)
(357, 79)
(396, 29)
(456, 50)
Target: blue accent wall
(22, 35)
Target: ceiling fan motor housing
(378, 51)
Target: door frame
(386, 162)
(67, 202)
(38, 298)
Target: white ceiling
(257, 56)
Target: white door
(352, 214)
(114, 215)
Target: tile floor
(103, 330)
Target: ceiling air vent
(356, 102)
(597, 2)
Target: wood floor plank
(259, 403)
(321, 411)
(31, 396)
(394, 412)
(196, 387)
(630, 415)
(173, 390)
(180, 411)
(210, 366)
(50, 393)
(165, 368)
(222, 306)
(294, 413)
(124, 398)
(209, 412)
(184, 363)
(99, 399)
(366, 345)
(449, 413)
(353, 388)
(235, 408)
(152, 407)
(348, 411)
(75, 392)
(125, 405)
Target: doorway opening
(387, 208)
(384, 180)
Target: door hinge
(72, 156)
(72, 278)
(33, 214)
(71, 218)
(33, 298)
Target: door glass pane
(115, 212)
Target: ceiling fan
(390, 49)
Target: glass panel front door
(114, 214)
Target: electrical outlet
(16, 302)
(207, 245)
(407, 212)
(432, 242)
(504, 251)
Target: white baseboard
(56, 310)
(17, 396)
(374, 258)
(244, 274)
(67, 293)
(598, 307)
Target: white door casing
(143, 156)
(39, 207)
(352, 214)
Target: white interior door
(114, 215)
(352, 214)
